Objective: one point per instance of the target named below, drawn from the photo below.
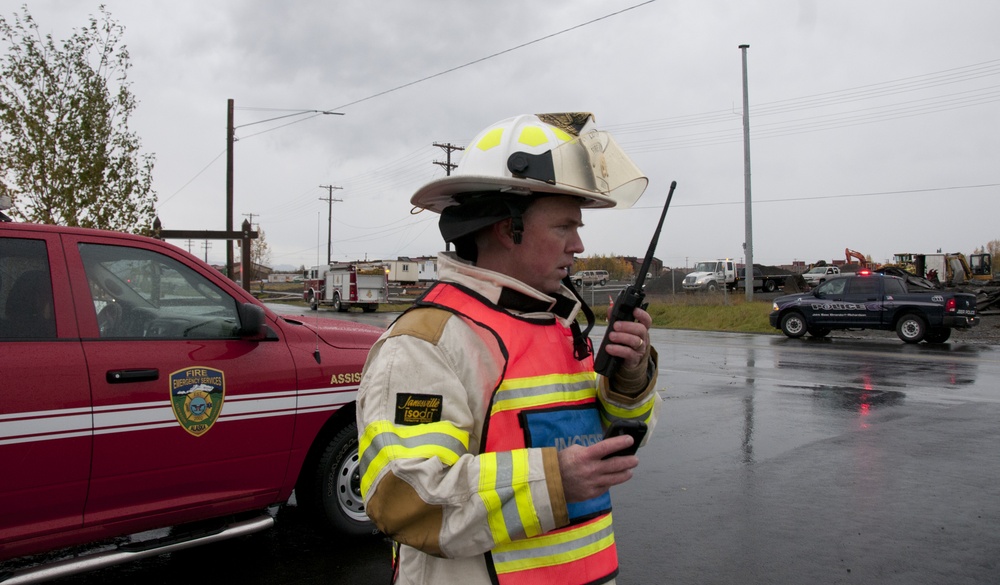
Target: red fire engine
(341, 286)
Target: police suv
(874, 301)
(143, 392)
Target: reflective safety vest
(545, 398)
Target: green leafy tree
(67, 156)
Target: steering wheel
(109, 318)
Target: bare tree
(260, 253)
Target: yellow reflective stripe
(500, 405)
(554, 548)
(383, 442)
(561, 135)
(557, 559)
(541, 390)
(491, 499)
(506, 494)
(532, 136)
(641, 412)
(549, 380)
(522, 494)
(490, 140)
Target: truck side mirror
(252, 322)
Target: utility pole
(230, 139)
(448, 166)
(448, 148)
(250, 215)
(205, 246)
(747, 203)
(329, 221)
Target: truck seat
(29, 308)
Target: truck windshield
(706, 267)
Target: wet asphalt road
(776, 461)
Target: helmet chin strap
(582, 347)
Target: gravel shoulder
(986, 333)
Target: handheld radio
(629, 298)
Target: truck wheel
(769, 286)
(819, 331)
(333, 492)
(938, 335)
(712, 287)
(337, 305)
(603, 282)
(911, 328)
(313, 303)
(793, 325)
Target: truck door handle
(129, 376)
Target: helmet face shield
(608, 170)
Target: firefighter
(481, 417)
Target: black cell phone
(626, 427)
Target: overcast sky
(873, 124)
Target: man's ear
(503, 231)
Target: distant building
(655, 266)
(257, 271)
(427, 268)
(403, 270)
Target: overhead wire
(411, 167)
(837, 196)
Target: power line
(470, 63)
(839, 196)
(842, 119)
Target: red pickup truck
(144, 393)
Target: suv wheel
(333, 492)
(793, 325)
(938, 335)
(911, 328)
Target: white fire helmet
(558, 154)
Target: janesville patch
(196, 395)
(417, 409)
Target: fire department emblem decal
(196, 395)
